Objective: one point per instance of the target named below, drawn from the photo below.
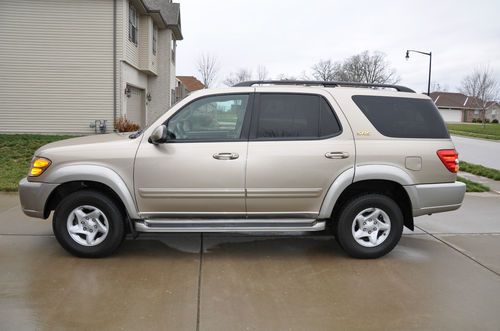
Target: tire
(88, 224)
(377, 222)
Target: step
(229, 225)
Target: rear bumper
(33, 196)
(435, 198)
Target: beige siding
(145, 24)
(131, 54)
(56, 69)
(154, 57)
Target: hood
(96, 141)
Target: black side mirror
(159, 135)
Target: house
(186, 85)
(492, 111)
(458, 107)
(68, 65)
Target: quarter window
(132, 24)
(210, 119)
(402, 117)
(295, 116)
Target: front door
(200, 170)
(298, 146)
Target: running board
(229, 225)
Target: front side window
(132, 24)
(155, 38)
(295, 116)
(211, 118)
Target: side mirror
(159, 135)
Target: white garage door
(451, 115)
(136, 106)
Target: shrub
(124, 125)
(474, 120)
(486, 120)
(495, 121)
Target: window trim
(245, 129)
(255, 119)
(131, 26)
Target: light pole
(430, 65)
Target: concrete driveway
(478, 151)
(446, 276)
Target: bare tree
(238, 77)
(324, 70)
(262, 73)
(208, 67)
(367, 68)
(482, 88)
(437, 87)
(285, 77)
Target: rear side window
(295, 116)
(402, 117)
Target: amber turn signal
(38, 166)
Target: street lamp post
(430, 65)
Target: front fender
(95, 173)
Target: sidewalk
(494, 185)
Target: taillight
(449, 157)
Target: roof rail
(398, 88)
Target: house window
(132, 24)
(173, 47)
(155, 38)
(476, 112)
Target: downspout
(114, 66)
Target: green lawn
(491, 131)
(473, 186)
(480, 170)
(16, 152)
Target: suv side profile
(262, 156)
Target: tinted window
(211, 118)
(295, 116)
(403, 117)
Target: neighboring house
(67, 64)
(186, 85)
(493, 111)
(455, 107)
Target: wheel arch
(77, 177)
(387, 180)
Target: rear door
(299, 143)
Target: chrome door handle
(226, 156)
(337, 155)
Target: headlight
(38, 166)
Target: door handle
(337, 155)
(226, 156)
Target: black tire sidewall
(116, 230)
(352, 208)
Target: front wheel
(369, 226)
(88, 224)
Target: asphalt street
(443, 276)
(478, 151)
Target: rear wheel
(88, 224)
(369, 226)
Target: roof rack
(398, 88)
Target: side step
(229, 225)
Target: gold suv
(360, 160)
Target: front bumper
(435, 198)
(34, 196)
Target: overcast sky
(289, 36)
